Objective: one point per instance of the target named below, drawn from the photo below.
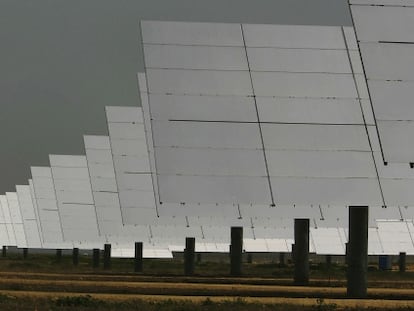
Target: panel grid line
(363, 117)
(258, 118)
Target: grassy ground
(41, 283)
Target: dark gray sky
(62, 61)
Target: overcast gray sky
(62, 61)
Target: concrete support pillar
(107, 256)
(25, 252)
(249, 258)
(301, 252)
(58, 255)
(357, 256)
(236, 250)
(75, 256)
(384, 262)
(189, 256)
(95, 257)
(328, 261)
(138, 257)
(4, 253)
(282, 259)
(402, 262)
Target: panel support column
(357, 255)
(236, 249)
(4, 253)
(138, 262)
(75, 256)
(402, 262)
(95, 257)
(189, 256)
(301, 252)
(58, 255)
(25, 252)
(107, 256)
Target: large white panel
(191, 33)
(67, 161)
(198, 82)
(206, 135)
(327, 241)
(374, 242)
(286, 84)
(135, 182)
(315, 137)
(398, 191)
(320, 164)
(106, 199)
(392, 99)
(401, 149)
(133, 164)
(101, 156)
(102, 170)
(104, 184)
(229, 162)
(136, 198)
(126, 147)
(195, 57)
(298, 60)
(379, 23)
(333, 216)
(388, 61)
(127, 131)
(334, 191)
(395, 237)
(293, 36)
(8, 221)
(25, 202)
(349, 33)
(78, 173)
(96, 142)
(39, 171)
(202, 210)
(123, 114)
(384, 2)
(214, 189)
(81, 197)
(203, 108)
(308, 110)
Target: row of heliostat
(247, 125)
(81, 201)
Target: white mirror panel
(191, 33)
(115, 114)
(255, 245)
(77, 173)
(293, 36)
(353, 191)
(67, 161)
(96, 142)
(319, 85)
(215, 189)
(207, 135)
(195, 57)
(395, 237)
(308, 110)
(203, 108)
(392, 99)
(326, 164)
(315, 137)
(388, 61)
(221, 162)
(8, 221)
(383, 23)
(299, 60)
(327, 241)
(397, 150)
(199, 82)
(279, 245)
(383, 2)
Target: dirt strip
(195, 289)
(341, 303)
